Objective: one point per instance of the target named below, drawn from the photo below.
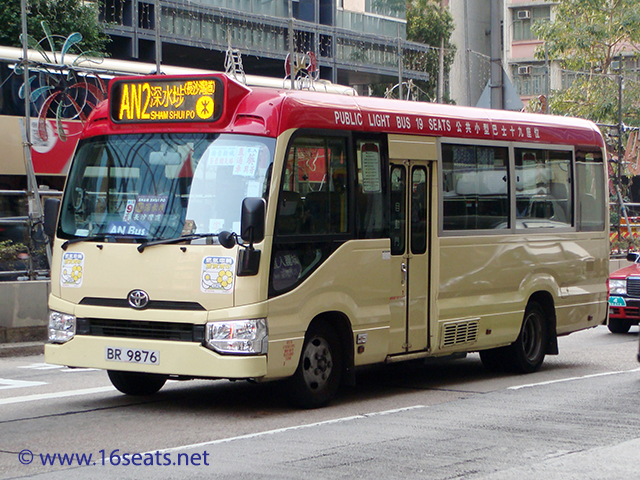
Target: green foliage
(9, 252)
(64, 17)
(596, 98)
(587, 36)
(429, 24)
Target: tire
(135, 383)
(319, 371)
(617, 325)
(527, 353)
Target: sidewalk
(22, 341)
(21, 349)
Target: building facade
(533, 77)
(355, 42)
(526, 75)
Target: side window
(419, 213)
(398, 209)
(475, 190)
(543, 188)
(590, 190)
(313, 199)
(313, 205)
(370, 190)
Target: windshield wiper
(169, 241)
(92, 238)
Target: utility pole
(35, 204)
(497, 100)
(291, 48)
(440, 92)
(399, 64)
(622, 211)
(158, 40)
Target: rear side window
(590, 191)
(475, 187)
(543, 188)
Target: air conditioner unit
(524, 14)
(524, 70)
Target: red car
(624, 296)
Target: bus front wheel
(135, 383)
(319, 371)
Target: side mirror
(252, 220)
(633, 257)
(51, 209)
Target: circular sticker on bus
(205, 107)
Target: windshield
(160, 186)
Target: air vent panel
(458, 333)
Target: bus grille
(178, 332)
(459, 332)
(633, 287)
(153, 304)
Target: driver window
(313, 200)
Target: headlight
(617, 287)
(248, 337)
(62, 327)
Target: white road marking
(518, 387)
(286, 429)
(54, 395)
(46, 366)
(6, 383)
(41, 366)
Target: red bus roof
(269, 112)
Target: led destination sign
(195, 99)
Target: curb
(22, 349)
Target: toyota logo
(138, 299)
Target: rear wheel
(318, 375)
(527, 353)
(617, 325)
(135, 383)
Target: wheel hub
(317, 363)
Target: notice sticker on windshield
(72, 269)
(218, 274)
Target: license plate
(132, 355)
(617, 302)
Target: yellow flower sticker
(72, 269)
(217, 274)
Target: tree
(588, 38)
(429, 24)
(63, 17)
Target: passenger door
(410, 231)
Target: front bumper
(625, 308)
(175, 358)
